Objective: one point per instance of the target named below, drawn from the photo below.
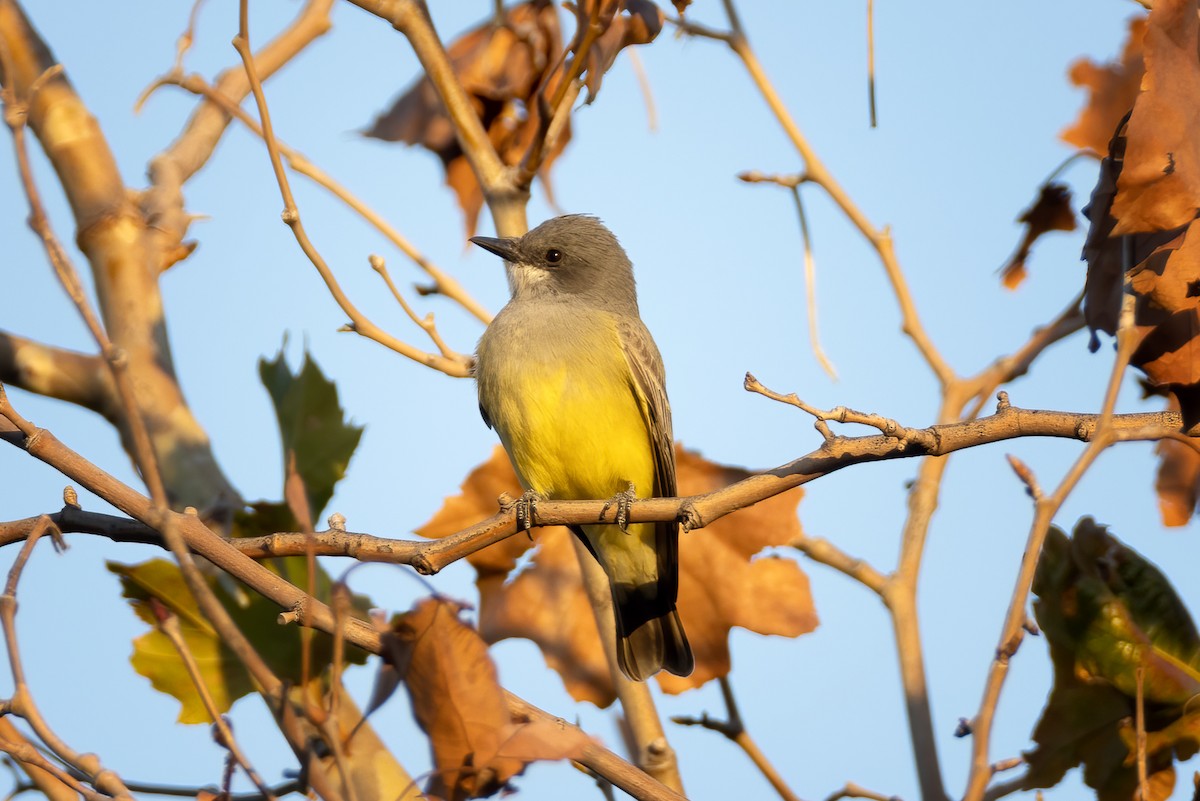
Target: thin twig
(1140, 723)
(1045, 509)
(871, 61)
(149, 788)
(291, 216)
(816, 172)
(30, 757)
(810, 284)
(425, 323)
(557, 109)
(443, 283)
(734, 729)
(22, 702)
(168, 623)
(639, 71)
(852, 790)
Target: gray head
(574, 255)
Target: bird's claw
(622, 501)
(525, 506)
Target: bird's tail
(648, 638)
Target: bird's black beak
(504, 248)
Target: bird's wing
(650, 386)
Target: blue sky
(970, 97)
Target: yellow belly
(574, 430)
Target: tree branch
(79, 378)
(43, 445)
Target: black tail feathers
(649, 638)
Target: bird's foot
(526, 507)
(622, 501)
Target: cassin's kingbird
(572, 382)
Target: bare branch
(22, 702)
(168, 623)
(1045, 509)
(443, 283)
(733, 728)
(361, 324)
(79, 378)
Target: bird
(571, 380)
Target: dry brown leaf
(1050, 212)
(1159, 185)
(720, 585)
(459, 704)
(639, 22)
(502, 68)
(1112, 88)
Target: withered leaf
(1050, 212)
(1159, 185)
(501, 67)
(720, 584)
(1108, 256)
(1112, 88)
(459, 704)
(634, 22)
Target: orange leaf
(1159, 185)
(720, 585)
(459, 704)
(1112, 88)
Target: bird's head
(571, 255)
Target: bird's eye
(553, 256)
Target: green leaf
(1105, 611)
(312, 426)
(156, 658)
(222, 672)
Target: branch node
(1002, 402)
(71, 497)
(690, 517)
(337, 522)
(423, 565)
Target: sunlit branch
(734, 729)
(22, 702)
(1045, 508)
(168, 623)
(443, 283)
(359, 322)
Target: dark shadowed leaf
(317, 440)
(1050, 212)
(1106, 611)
